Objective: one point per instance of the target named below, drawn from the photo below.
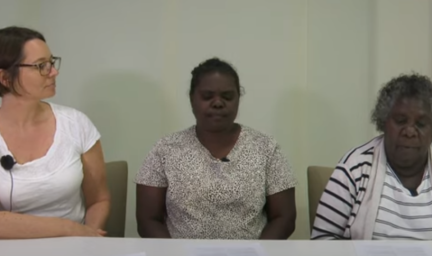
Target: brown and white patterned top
(210, 199)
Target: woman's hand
(102, 232)
(84, 230)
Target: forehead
(36, 50)
(411, 106)
(216, 81)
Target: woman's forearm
(278, 228)
(97, 214)
(22, 226)
(153, 229)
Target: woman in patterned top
(217, 179)
(382, 189)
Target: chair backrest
(117, 179)
(318, 177)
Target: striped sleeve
(335, 205)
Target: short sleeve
(152, 171)
(88, 133)
(279, 175)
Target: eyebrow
(43, 59)
(212, 91)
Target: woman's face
(408, 133)
(215, 102)
(36, 80)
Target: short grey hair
(404, 86)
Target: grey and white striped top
(402, 214)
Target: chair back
(317, 177)
(117, 179)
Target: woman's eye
(421, 125)
(207, 96)
(400, 121)
(228, 96)
(42, 65)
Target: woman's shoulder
(73, 122)
(67, 112)
(180, 137)
(254, 135)
(361, 155)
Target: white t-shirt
(402, 215)
(51, 185)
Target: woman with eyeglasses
(52, 174)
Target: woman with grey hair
(382, 189)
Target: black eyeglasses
(46, 66)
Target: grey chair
(117, 179)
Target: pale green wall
(311, 69)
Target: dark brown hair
(12, 41)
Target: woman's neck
(217, 138)
(19, 112)
(410, 176)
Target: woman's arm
(281, 215)
(23, 226)
(151, 189)
(280, 201)
(335, 206)
(150, 212)
(95, 189)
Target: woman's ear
(4, 78)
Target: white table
(75, 246)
